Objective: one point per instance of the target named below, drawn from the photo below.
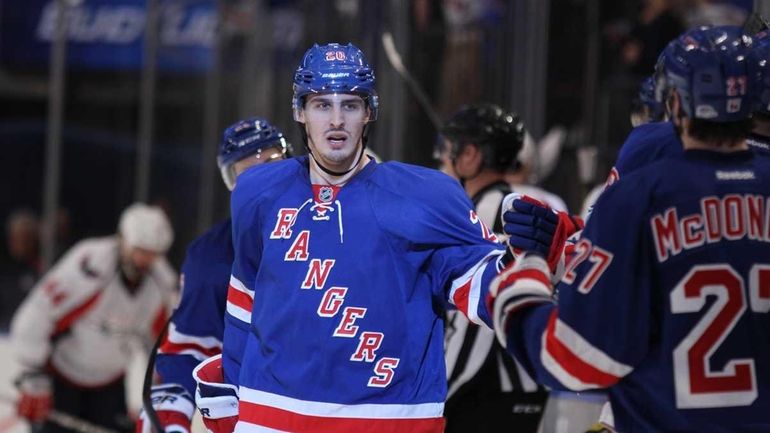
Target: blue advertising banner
(109, 34)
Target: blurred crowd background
(104, 102)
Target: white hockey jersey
(80, 319)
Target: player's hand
(35, 396)
(534, 227)
(216, 400)
(174, 406)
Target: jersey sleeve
(598, 329)
(464, 253)
(247, 245)
(61, 298)
(189, 339)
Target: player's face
(137, 262)
(335, 123)
(444, 156)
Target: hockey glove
(174, 406)
(216, 400)
(525, 283)
(534, 227)
(35, 396)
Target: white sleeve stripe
(560, 373)
(238, 312)
(587, 352)
(238, 285)
(177, 337)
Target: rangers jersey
(759, 144)
(204, 283)
(666, 299)
(646, 144)
(346, 289)
(80, 320)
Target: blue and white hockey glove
(534, 227)
(525, 283)
(216, 400)
(174, 406)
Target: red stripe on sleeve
(66, 322)
(239, 298)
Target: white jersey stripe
(323, 409)
(238, 312)
(587, 352)
(177, 337)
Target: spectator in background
(657, 24)
(22, 268)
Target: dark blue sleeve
(190, 339)
(599, 329)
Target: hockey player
(356, 263)
(646, 108)
(74, 333)
(759, 140)
(486, 389)
(671, 314)
(204, 279)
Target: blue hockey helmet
(334, 68)
(760, 64)
(709, 69)
(246, 138)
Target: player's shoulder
(95, 255)
(263, 179)
(217, 236)
(415, 181)
(655, 134)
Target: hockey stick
(394, 58)
(68, 421)
(152, 414)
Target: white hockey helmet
(146, 227)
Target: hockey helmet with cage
(245, 138)
(709, 69)
(499, 134)
(334, 68)
(146, 227)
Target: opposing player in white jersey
(73, 335)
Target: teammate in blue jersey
(759, 140)
(195, 332)
(350, 265)
(666, 300)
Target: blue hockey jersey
(759, 144)
(348, 286)
(195, 332)
(646, 144)
(666, 299)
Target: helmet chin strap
(328, 171)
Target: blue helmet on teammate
(334, 68)
(709, 68)
(647, 98)
(760, 62)
(247, 138)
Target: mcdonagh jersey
(195, 332)
(346, 289)
(666, 300)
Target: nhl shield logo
(325, 194)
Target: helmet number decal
(335, 55)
